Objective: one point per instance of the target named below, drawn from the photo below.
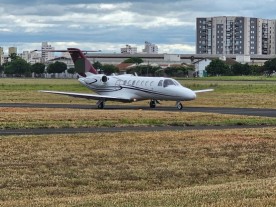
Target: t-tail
(82, 64)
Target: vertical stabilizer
(82, 64)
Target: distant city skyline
(109, 25)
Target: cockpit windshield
(168, 82)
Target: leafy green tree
(13, 56)
(247, 69)
(270, 66)
(241, 69)
(71, 70)
(57, 67)
(144, 70)
(177, 71)
(38, 68)
(17, 66)
(256, 70)
(109, 69)
(218, 67)
(97, 65)
(136, 60)
(237, 69)
(1, 68)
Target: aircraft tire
(101, 105)
(179, 106)
(152, 104)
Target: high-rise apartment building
(235, 35)
(12, 50)
(150, 48)
(1, 55)
(47, 55)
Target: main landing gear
(152, 103)
(100, 104)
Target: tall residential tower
(45, 54)
(235, 35)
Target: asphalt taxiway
(220, 110)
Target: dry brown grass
(192, 168)
(58, 118)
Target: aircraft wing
(202, 91)
(89, 96)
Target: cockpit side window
(176, 83)
(160, 83)
(168, 82)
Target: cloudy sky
(108, 25)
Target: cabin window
(133, 83)
(160, 83)
(142, 83)
(151, 83)
(146, 83)
(168, 82)
(125, 82)
(137, 83)
(129, 82)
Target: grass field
(185, 168)
(195, 168)
(18, 118)
(256, 93)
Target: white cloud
(105, 47)
(111, 24)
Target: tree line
(149, 70)
(218, 67)
(19, 67)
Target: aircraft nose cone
(187, 94)
(192, 95)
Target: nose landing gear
(179, 105)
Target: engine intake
(104, 79)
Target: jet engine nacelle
(96, 79)
(104, 78)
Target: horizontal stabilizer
(204, 90)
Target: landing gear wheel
(101, 105)
(152, 104)
(179, 106)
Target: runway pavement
(221, 110)
(224, 110)
(119, 129)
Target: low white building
(200, 67)
(129, 50)
(172, 58)
(34, 57)
(243, 59)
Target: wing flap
(88, 96)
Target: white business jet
(125, 88)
